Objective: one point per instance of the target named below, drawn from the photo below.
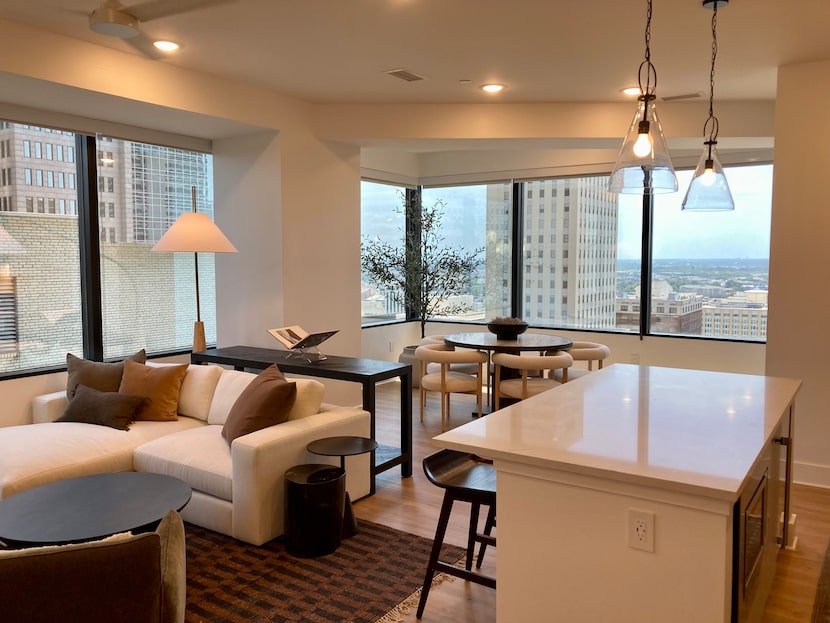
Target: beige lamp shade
(194, 231)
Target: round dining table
(524, 342)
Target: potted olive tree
(422, 274)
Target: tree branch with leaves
(423, 273)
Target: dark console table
(367, 372)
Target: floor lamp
(194, 232)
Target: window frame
(644, 306)
(83, 178)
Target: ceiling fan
(113, 19)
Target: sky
(742, 233)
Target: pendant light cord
(712, 119)
(648, 91)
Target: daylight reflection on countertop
(667, 427)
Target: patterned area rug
(821, 605)
(362, 581)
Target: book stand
(311, 357)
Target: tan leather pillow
(160, 385)
(105, 377)
(266, 401)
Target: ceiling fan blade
(154, 9)
(143, 44)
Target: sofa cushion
(198, 388)
(105, 377)
(161, 386)
(266, 401)
(36, 454)
(103, 408)
(233, 382)
(199, 456)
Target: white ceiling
(543, 50)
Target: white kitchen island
(594, 474)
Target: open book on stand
(297, 338)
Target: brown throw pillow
(265, 402)
(160, 385)
(103, 408)
(105, 377)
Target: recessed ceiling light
(492, 88)
(631, 91)
(166, 46)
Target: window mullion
(645, 264)
(517, 255)
(89, 247)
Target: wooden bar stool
(466, 478)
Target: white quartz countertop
(691, 430)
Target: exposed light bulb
(708, 177)
(642, 146)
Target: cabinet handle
(784, 441)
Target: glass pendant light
(709, 189)
(643, 165)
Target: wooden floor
(413, 504)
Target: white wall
(798, 333)
(247, 185)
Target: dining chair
(467, 368)
(585, 351)
(448, 381)
(528, 384)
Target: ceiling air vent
(675, 98)
(403, 74)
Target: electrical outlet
(641, 529)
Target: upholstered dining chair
(592, 352)
(467, 368)
(448, 381)
(529, 366)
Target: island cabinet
(640, 494)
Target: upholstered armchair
(122, 579)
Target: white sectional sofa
(237, 490)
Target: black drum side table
(343, 447)
(314, 498)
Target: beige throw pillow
(160, 385)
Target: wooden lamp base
(199, 343)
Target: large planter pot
(408, 356)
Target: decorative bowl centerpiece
(507, 328)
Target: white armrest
(260, 460)
(48, 407)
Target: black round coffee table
(343, 447)
(89, 508)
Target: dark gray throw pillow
(105, 377)
(103, 408)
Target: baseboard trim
(811, 474)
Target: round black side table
(314, 498)
(343, 447)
